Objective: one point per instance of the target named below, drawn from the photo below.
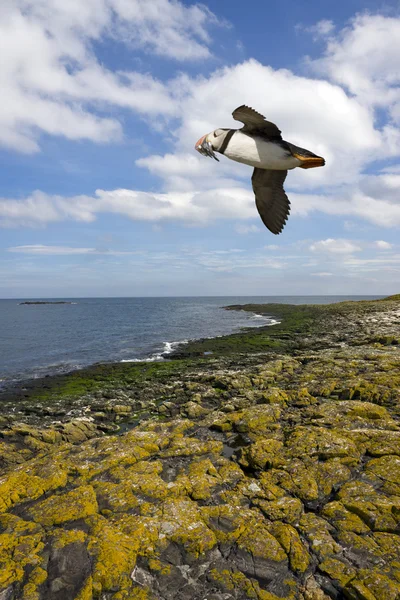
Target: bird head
(211, 142)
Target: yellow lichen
(77, 504)
(32, 482)
(63, 537)
(289, 539)
(16, 552)
(114, 554)
(86, 592)
(30, 589)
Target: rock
(76, 504)
(290, 541)
(69, 568)
(194, 411)
(273, 396)
(285, 509)
(121, 409)
(263, 454)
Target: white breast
(257, 152)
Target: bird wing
(271, 200)
(253, 121)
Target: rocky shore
(260, 465)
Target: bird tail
(308, 159)
(309, 162)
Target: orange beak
(199, 143)
(205, 148)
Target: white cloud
(271, 247)
(49, 250)
(338, 246)
(165, 27)
(312, 113)
(350, 202)
(363, 57)
(59, 94)
(245, 229)
(43, 250)
(40, 209)
(388, 263)
(322, 274)
(193, 206)
(229, 260)
(382, 245)
(384, 185)
(51, 80)
(319, 30)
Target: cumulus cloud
(192, 206)
(52, 81)
(338, 246)
(40, 209)
(327, 116)
(319, 116)
(363, 57)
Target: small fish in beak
(205, 148)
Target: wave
(158, 356)
(273, 322)
(267, 320)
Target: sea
(45, 339)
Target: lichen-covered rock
(31, 482)
(273, 396)
(195, 410)
(385, 473)
(324, 444)
(378, 511)
(76, 504)
(285, 509)
(289, 539)
(343, 519)
(21, 547)
(114, 554)
(318, 531)
(263, 454)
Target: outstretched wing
(271, 200)
(253, 121)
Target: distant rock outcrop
(45, 302)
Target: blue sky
(102, 193)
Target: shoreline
(15, 386)
(297, 328)
(59, 367)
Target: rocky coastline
(264, 465)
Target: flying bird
(259, 144)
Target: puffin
(259, 144)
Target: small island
(45, 302)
